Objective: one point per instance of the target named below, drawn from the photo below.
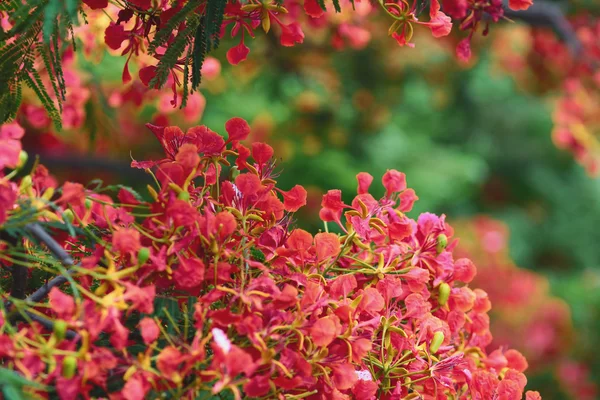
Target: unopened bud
(436, 342)
(60, 329)
(443, 293)
(69, 364)
(143, 255)
(68, 216)
(233, 173)
(88, 204)
(185, 196)
(26, 183)
(23, 157)
(214, 247)
(442, 242)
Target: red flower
(114, 35)
(327, 245)
(344, 376)
(208, 142)
(141, 4)
(126, 241)
(10, 145)
(149, 330)
(294, 198)
(135, 388)
(258, 386)
(342, 286)
(168, 363)
(188, 157)
(62, 304)
(262, 153)
(463, 50)
(364, 182)
(365, 389)
(190, 273)
(518, 5)
(332, 206)
(325, 330)
(237, 54)
(516, 360)
(531, 395)
(96, 4)
(439, 23)
(8, 196)
(146, 74)
(464, 270)
(313, 8)
(237, 129)
(291, 34)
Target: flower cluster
(525, 314)
(207, 288)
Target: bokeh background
(474, 141)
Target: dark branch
(550, 15)
(48, 324)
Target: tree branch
(546, 14)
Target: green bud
(143, 255)
(69, 365)
(443, 293)
(234, 172)
(88, 204)
(442, 242)
(68, 216)
(60, 328)
(436, 342)
(185, 196)
(23, 157)
(26, 182)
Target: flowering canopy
(208, 289)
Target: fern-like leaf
(172, 54)
(164, 33)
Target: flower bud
(88, 204)
(23, 157)
(442, 242)
(48, 193)
(436, 342)
(26, 183)
(68, 216)
(59, 329)
(443, 293)
(69, 364)
(143, 255)
(233, 173)
(185, 196)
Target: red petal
(237, 128)
(114, 35)
(261, 152)
(313, 8)
(294, 199)
(61, 303)
(393, 181)
(146, 74)
(208, 142)
(519, 5)
(463, 50)
(327, 245)
(237, 54)
(149, 330)
(364, 182)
